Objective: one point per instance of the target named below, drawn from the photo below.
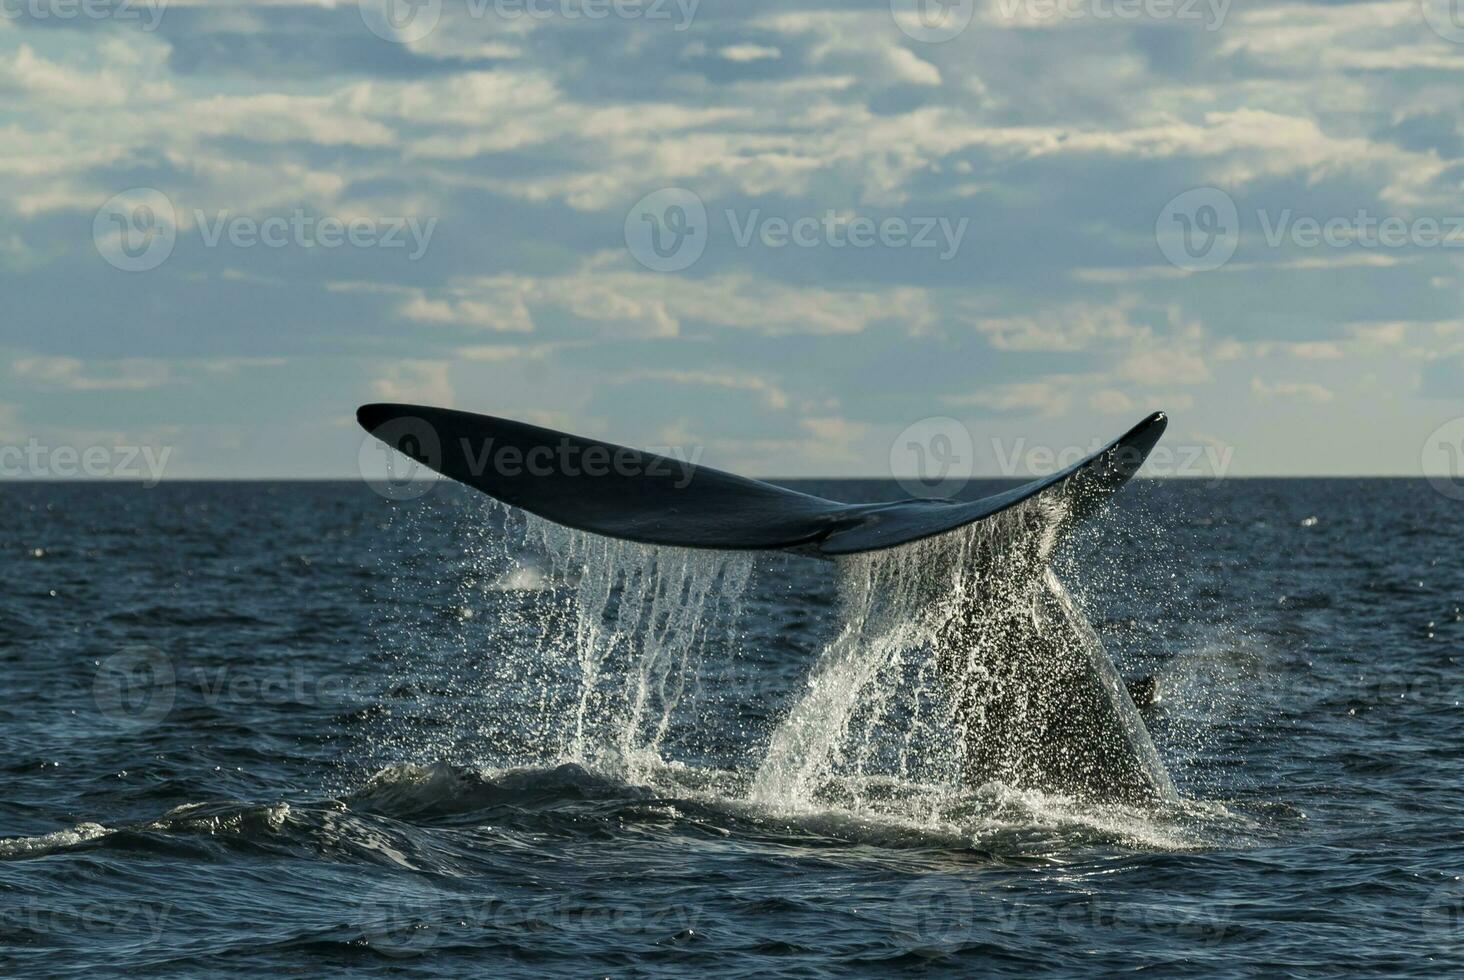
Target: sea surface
(302, 729)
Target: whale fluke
(1032, 698)
(640, 496)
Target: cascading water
(638, 626)
(886, 700)
(953, 663)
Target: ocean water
(301, 729)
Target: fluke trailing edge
(1033, 697)
(639, 496)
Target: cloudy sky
(783, 232)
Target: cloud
(1069, 328)
(1043, 398)
(749, 52)
(1290, 391)
(418, 381)
(530, 140)
(1109, 401)
(1443, 377)
(1307, 350)
(74, 374)
(1164, 367)
(630, 304)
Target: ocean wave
(59, 840)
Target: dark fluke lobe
(640, 496)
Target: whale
(1037, 703)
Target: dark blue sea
(301, 729)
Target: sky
(790, 238)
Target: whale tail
(1035, 700)
(640, 496)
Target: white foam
(54, 841)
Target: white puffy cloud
(74, 374)
(1292, 391)
(420, 381)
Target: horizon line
(22, 481)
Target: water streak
(637, 628)
(962, 660)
